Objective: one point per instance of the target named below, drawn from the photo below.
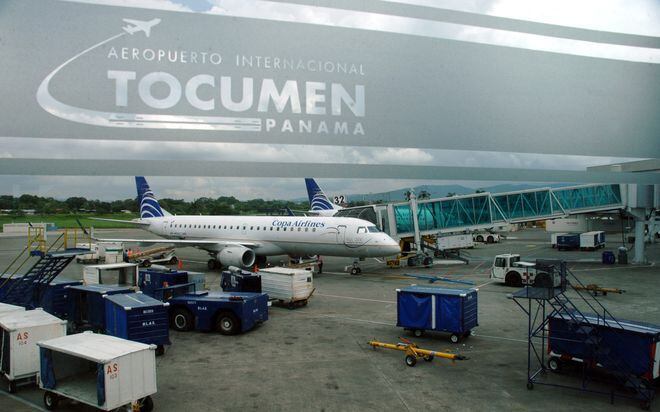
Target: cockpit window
(373, 229)
(362, 229)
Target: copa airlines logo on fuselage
(297, 223)
(224, 103)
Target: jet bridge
(487, 210)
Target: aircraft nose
(391, 246)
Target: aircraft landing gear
(355, 270)
(213, 264)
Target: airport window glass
(271, 228)
(278, 229)
(499, 262)
(373, 229)
(244, 227)
(258, 227)
(213, 226)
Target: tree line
(204, 205)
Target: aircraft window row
(231, 227)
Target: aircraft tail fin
(149, 206)
(317, 199)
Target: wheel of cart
(411, 360)
(454, 338)
(418, 332)
(51, 400)
(554, 364)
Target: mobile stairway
(45, 263)
(586, 328)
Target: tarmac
(317, 358)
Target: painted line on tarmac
(614, 268)
(500, 338)
(375, 322)
(193, 261)
(487, 283)
(352, 298)
(23, 401)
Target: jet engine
(237, 256)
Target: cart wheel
(454, 338)
(428, 261)
(181, 320)
(227, 323)
(146, 404)
(428, 358)
(160, 350)
(11, 387)
(51, 400)
(355, 271)
(411, 360)
(418, 333)
(530, 385)
(554, 364)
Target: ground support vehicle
(229, 313)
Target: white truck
(486, 237)
(508, 269)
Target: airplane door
(165, 228)
(341, 234)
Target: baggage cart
(138, 317)
(227, 312)
(614, 345)
(54, 296)
(237, 280)
(568, 242)
(21, 330)
(287, 286)
(6, 308)
(421, 309)
(86, 306)
(101, 371)
(124, 274)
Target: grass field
(69, 220)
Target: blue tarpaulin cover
(415, 310)
(46, 373)
(100, 383)
(455, 309)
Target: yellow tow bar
(414, 352)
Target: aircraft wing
(201, 243)
(130, 222)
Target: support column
(639, 241)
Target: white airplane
(246, 240)
(140, 25)
(319, 203)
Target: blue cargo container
(421, 309)
(240, 281)
(86, 306)
(227, 312)
(627, 346)
(54, 297)
(138, 317)
(151, 282)
(568, 241)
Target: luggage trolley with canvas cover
(20, 331)
(102, 371)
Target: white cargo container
(123, 274)
(453, 242)
(287, 285)
(21, 330)
(108, 252)
(5, 308)
(102, 371)
(592, 240)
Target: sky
(640, 17)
